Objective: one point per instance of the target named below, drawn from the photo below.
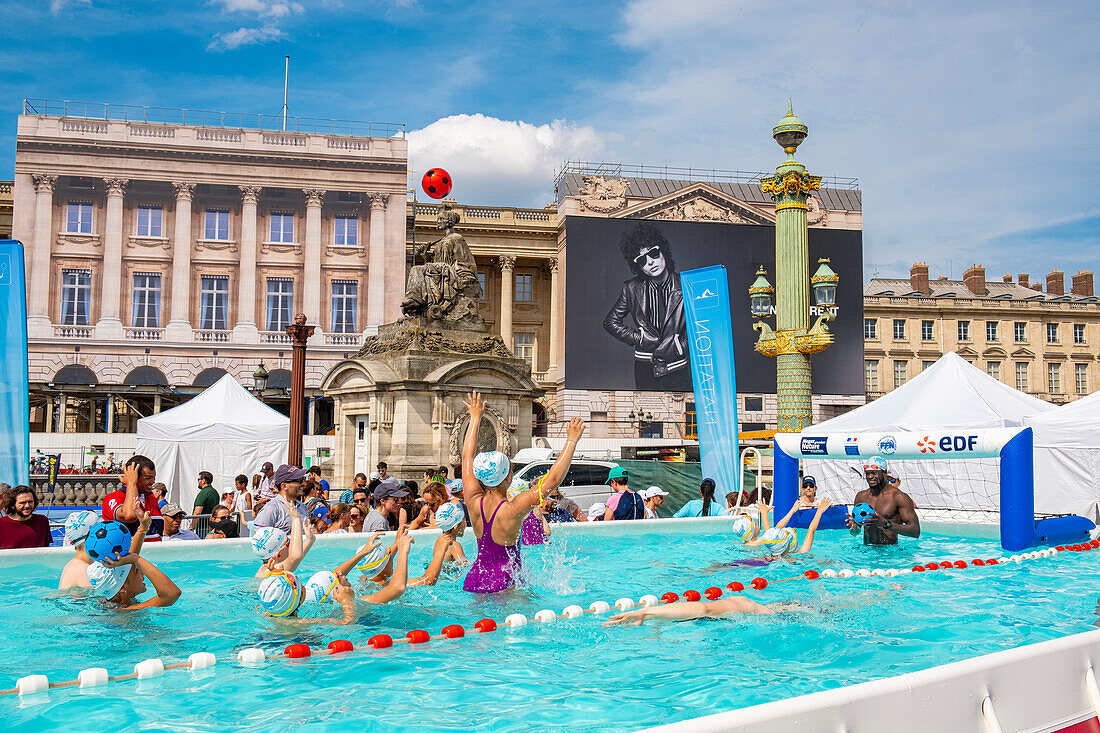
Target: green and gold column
(793, 340)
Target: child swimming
(276, 550)
(781, 538)
(121, 580)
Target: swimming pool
(570, 675)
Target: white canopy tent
(225, 430)
(952, 394)
(1067, 457)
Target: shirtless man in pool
(895, 512)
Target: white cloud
(58, 6)
(496, 161)
(244, 37)
(261, 8)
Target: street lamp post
(299, 334)
(793, 340)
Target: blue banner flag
(15, 448)
(710, 343)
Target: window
(345, 305)
(990, 330)
(925, 364)
(1054, 378)
(150, 221)
(1081, 378)
(1078, 333)
(964, 330)
(345, 231)
(1021, 376)
(870, 375)
(525, 288)
(870, 328)
(280, 301)
(525, 348)
(993, 369)
(282, 227)
(146, 300)
(1052, 333)
(76, 297)
(691, 424)
(483, 281)
(214, 303)
(748, 427)
(217, 224)
(901, 372)
(926, 330)
(1019, 331)
(78, 217)
(754, 404)
(899, 329)
(651, 430)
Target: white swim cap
(596, 510)
(280, 593)
(372, 565)
(107, 582)
(744, 527)
(77, 525)
(518, 486)
(449, 516)
(320, 585)
(779, 541)
(491, 467)
(267, 541)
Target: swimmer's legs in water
(689, 611)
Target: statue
(445, 287)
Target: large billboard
(624, 319)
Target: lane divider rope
(255, 656)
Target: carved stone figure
(445, 287)
(603, 194)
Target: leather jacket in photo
(659, 333)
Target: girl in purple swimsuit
(497, 518)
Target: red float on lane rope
(340, 645)
(918, 568)
(977, 562)
(692, 595)
(713, 594)
(735, 587)
(418, 636)
(812, 575)
(669, 597)
(759, 583)
(380, 641)
(932, 566)
(960, 564)
(486, 625)
(454, 631)
(297, 651)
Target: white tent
(1067, 457)
(950, 394)
(224, 430)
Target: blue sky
(970, 126)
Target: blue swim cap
(449, 516)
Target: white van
(585, 483)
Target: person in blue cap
(809, 491)
(895, 514)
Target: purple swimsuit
(530, 533)
(496, 565)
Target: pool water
(572, 675)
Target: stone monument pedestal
(400, 399)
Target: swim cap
(744, 527)
(320, 585)
(455, 487)
(107, 582)
(280, 594)
(779, 540)
(449, 516)
(518, 486)
(491, 467)
(267, 541)
(77, 525)
(372, 565)
(875, 463)
(346, 496)
(862, 512)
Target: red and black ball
(437, 183)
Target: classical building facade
(730, 198)
(163, 254)
(6, 201)
(1043, 342)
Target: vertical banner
(15, 448)
(710, 343)
(52, 465)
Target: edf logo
(958, 442)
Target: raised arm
(471, 487)
(130, 508)
(800, 504)
(298, 549)
(765, 515)
(435, 567)
(552, 478)
(346, 567)
(139, 537)
(400, 578)
(808, 540)
(167, 591)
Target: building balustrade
(145, 334)
(343, 339)
(206, 336)
(274, 337)
(72, 332)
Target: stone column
(311, 273)
(507, 288)
(376, 263)
(38, 296)
(555, 304)
(245, 331)
(109, 325)
(62, 412)
(110, 414)
(49, 414)
(179, 326)
(156, 404)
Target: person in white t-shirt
(653, 497)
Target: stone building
(167, 247)
(1043, 342)
(6, 201)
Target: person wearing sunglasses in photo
(652, 300)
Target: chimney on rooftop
(1024, 279)
(918, 277)
(1008, 277)
(1056, 282)
(1082, 283)
(1038, 287)
(974, 277)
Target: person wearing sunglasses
(649, 313)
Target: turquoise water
(573, 675)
